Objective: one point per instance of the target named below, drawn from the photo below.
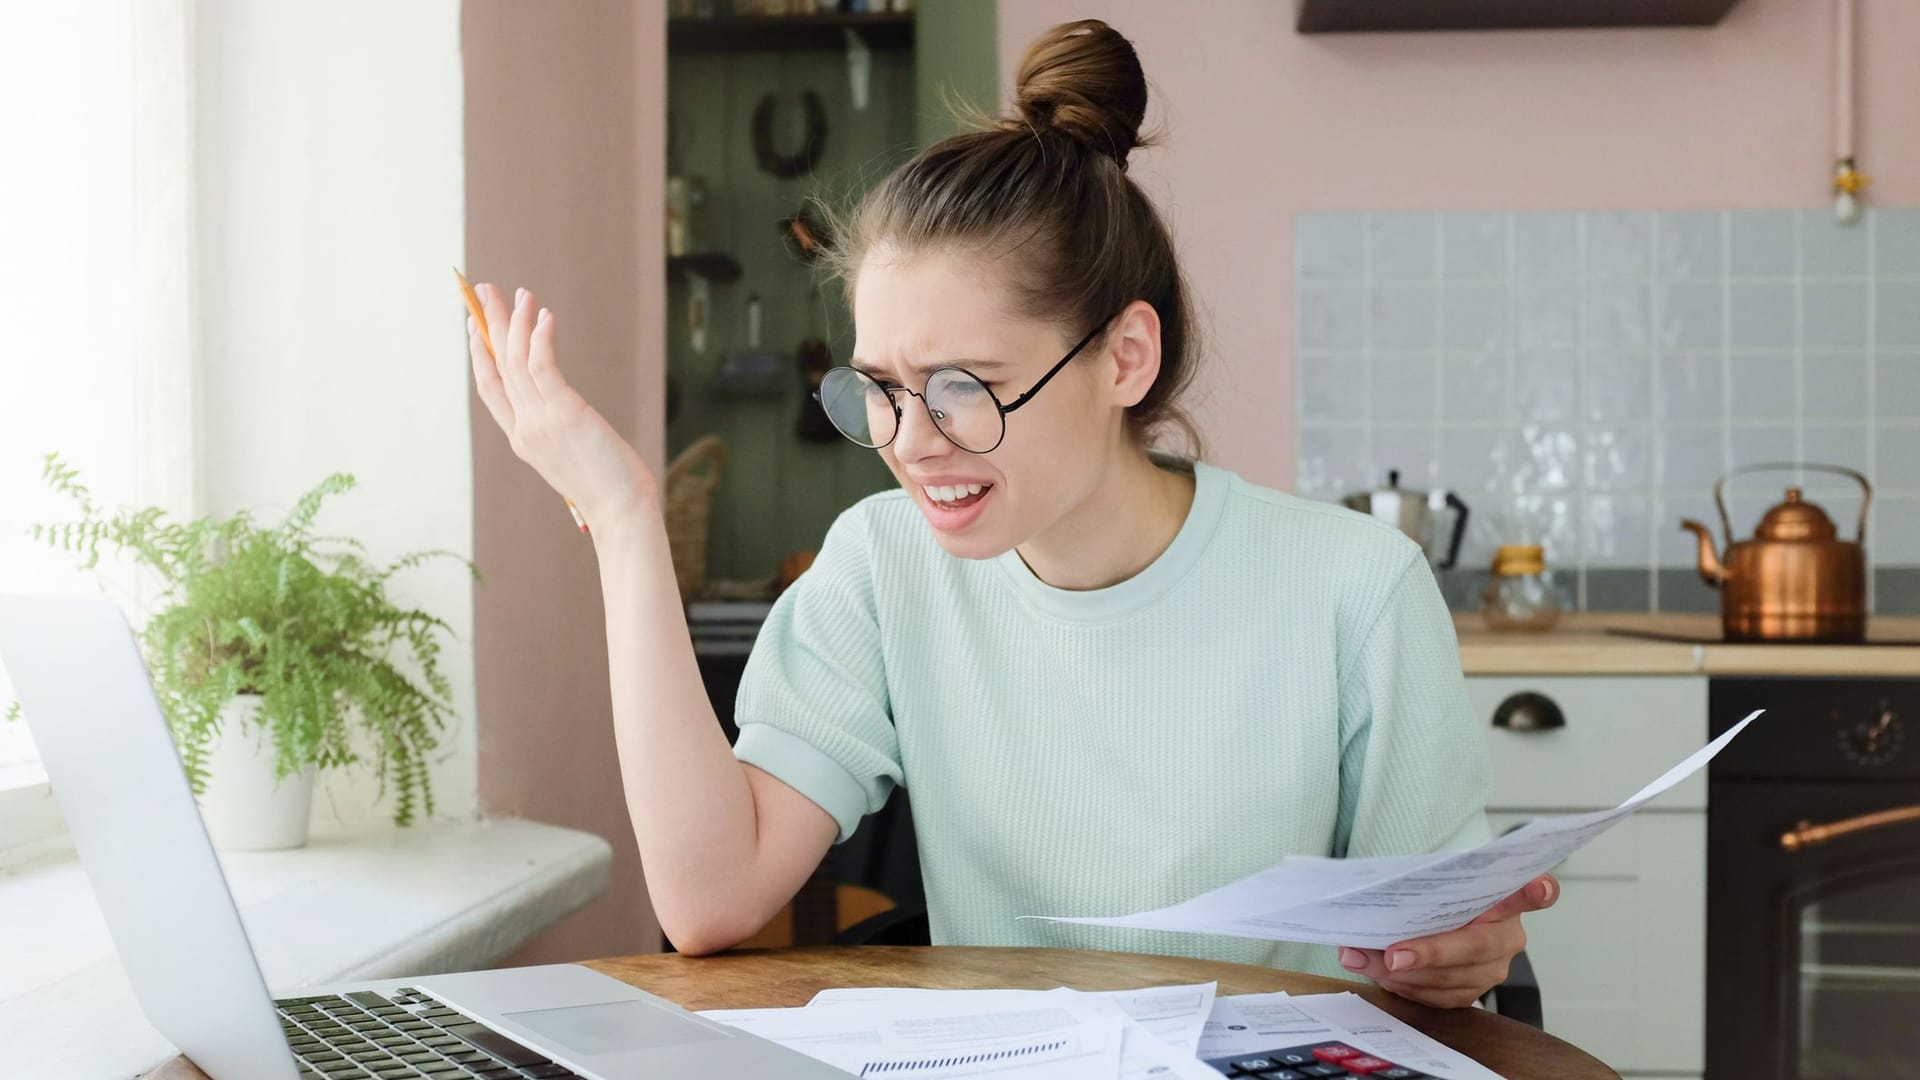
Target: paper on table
(1246, 1024)
(1160, 1036)
(1176, 1014)
(1378, 902)
(1053, 1042)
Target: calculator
(1315, 1061)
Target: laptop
(78, 673)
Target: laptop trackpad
(614, 1027)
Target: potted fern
(269, 648)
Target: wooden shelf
(711, 265)
(1363, 16)
(780, 33)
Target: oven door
(1813, 950)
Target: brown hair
(1045, 192)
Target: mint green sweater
(1282, 680)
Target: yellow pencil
(480, 319)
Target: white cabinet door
(1620, 733)
(1621, 958)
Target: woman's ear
(1133, 340)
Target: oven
(1813, 883)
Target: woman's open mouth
(951, 507)
(955, 496)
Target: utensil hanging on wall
(800, 162)
(752, 371)
(805, 235)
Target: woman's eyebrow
(977, 366)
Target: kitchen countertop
(1580, 645)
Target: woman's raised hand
(548, 424)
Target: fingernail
(471, 325)
(1543, 893)
(1400, 959)
(1352, 959)
(542, 320)
(519, 297)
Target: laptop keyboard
(400, 1036)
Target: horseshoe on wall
(801, 162)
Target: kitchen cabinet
(1621, 958)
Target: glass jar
(1520, 595)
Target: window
(95, 286)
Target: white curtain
(97, 282)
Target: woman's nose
(919, 438)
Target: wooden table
(765, 978)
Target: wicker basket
(691, 480)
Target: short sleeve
(813, 706)
(1413, 763)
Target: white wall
(332, 205)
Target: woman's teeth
(947, 493)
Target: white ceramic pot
(246, 807)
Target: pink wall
(1264, 123)
(566, 135)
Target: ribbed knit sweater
(1282, 679)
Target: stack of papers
(1160, 1033)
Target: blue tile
(1329, 245)
(1402, 245)
(1473, 245)
(1833, 314)
(1760, 243)
(1689, 245)
(1896, 240)
(1829, 248)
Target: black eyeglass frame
(899, 415)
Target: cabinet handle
(1805, 834)
(1529, 711)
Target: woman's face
(915, 313)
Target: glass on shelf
(1520, 594)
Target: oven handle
(1806, 834)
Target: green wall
(780, 492)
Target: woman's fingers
(520, 335)
(543, 365)
(513, 376)
(486, 379)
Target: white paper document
(1374, 903)
(1160, 1034)
(1245, 1025)
(931, 1040)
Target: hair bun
(1083, 79)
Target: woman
(1112, 680)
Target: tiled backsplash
(1583, 378)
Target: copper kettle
(1796, 580)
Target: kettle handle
(1866, 490)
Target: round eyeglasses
(867, 411)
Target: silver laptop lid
(114, 771)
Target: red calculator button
(1335, 1054)
(1365, 1066)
